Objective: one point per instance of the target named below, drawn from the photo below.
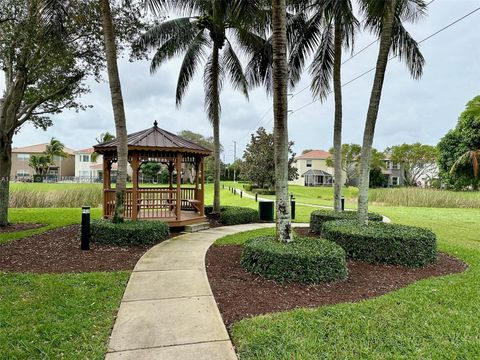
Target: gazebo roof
(155, 139)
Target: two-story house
(393, 172)
(313, 170)
(62, 167)
(89, 166)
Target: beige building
(21, 156)
(313, 170)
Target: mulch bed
(19, 227)
(240, 294)
(58, 251)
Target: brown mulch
(19, 227)
(240, 294)
(58, 251)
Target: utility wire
(344, 62)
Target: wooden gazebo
(176, 204)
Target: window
(395, 181)
(309, 163)
(84, 173)
(84, 158)
(23, 157)
(23, 173)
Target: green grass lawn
(51, 217)
(70, 315)
(431, 319)
(58, 316)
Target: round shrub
(235, 215)
(128, 233)
(384, 243)
(319, 217)
(305, 260)
(238, 215)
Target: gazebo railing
(152, 203)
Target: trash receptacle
(265, 210)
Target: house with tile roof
(313, 170)
(63, 167)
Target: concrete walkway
(168, 310)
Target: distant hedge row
(235, 215)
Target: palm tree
(54, 149)
(472, 157)
(118, 109)
(280, 109)
(384, 18)
(203, 37)
(103, 138)
(330, 28)
(39, 163)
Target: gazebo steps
(197, 227)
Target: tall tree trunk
(216, 129)
(382, 59)
(280, 113)
(118, 109)
(9, 107)
(5, 168)
(337, 126)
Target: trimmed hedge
(128, 233)
(305, 260)
(248, 187)
(384, 243)
(319, 217)
(264, 191)
(235, 215)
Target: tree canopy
(258, 160)
(464, 138)
(418, 160)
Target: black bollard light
(85, 236)
(292, 207)
(342, 201)
(241, 193)
(256, 197)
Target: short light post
(241, 193)
(256, 197)
(85, 236)
(292, 206)
(342, 201)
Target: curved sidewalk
(168, 310)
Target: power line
(393, 57)
(344, 62)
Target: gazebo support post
(170, 167)
(135, 167)
(179, 187)
(107, 166)
(197, 179)
(202, 192)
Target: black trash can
(265, 210)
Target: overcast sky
(410, 110)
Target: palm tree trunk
(280, 114)
(118, 109)
(382, 59)
(337, 127)
(216, 129)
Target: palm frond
(259, 68)
(407, 49)
(187, 7)
(302, 45)
(233, 68)
(321, 68)
(471, 156)
(53, 14)
(193, 56)
(157, 35)
(212, 103)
